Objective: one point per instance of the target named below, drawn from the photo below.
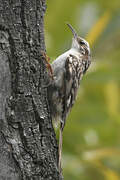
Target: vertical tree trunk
(28, 147)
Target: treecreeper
(68, 70)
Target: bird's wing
(75, 67)
(67, 75)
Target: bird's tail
(60, 148)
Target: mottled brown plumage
(68, 70)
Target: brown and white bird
(68, 70)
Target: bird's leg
(47, 59)
(60, 148)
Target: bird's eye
(82, 43)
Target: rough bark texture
(28, 147)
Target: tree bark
(28, 146)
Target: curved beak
(73, 31)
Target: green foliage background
(91, 147)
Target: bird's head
(79, 43)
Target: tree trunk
(28, 146)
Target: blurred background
(91, 142)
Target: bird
(68, 70)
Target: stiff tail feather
(60, 149)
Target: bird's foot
(49, 68)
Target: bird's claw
(48, 65)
